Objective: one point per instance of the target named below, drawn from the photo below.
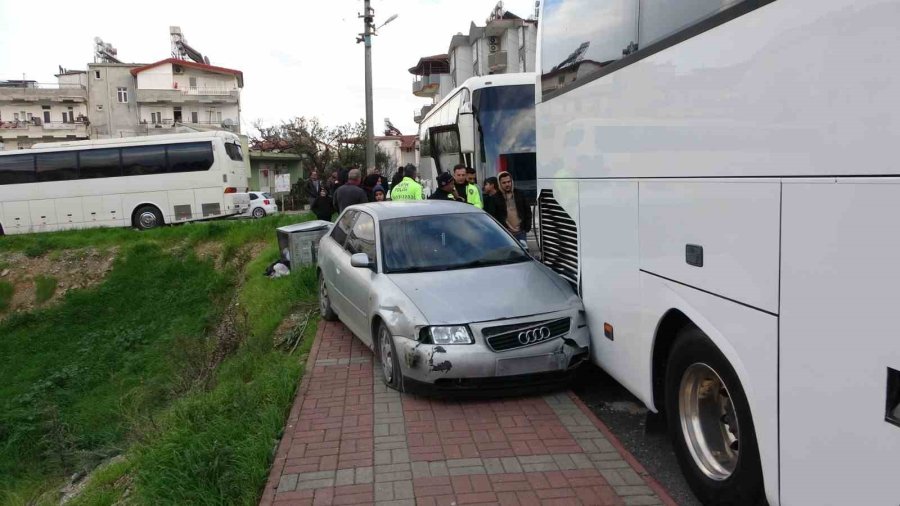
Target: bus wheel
(147, 217)
(710, 423)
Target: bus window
(506, 120)
(234, 151)
(60, 166)
(190, 157)
(142, 160)
(99, 163)
(446, 147)
(16, 169)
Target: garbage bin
(299, 243)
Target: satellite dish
(228, 123)
(98, 40)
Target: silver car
(448, 300)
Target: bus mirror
(466, 123)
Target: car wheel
(259, 213)
(390, 363)
(325, 309)
(147, 217)
(710, 423)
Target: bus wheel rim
(147, 219)
(709, 422)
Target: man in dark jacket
(445, 188)
(350, 193)
(493, 202)
(518, 212)
(313, 186)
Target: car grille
(506, 337)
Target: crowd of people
(498, 196)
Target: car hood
(484, 293)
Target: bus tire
(718, 457)
(146, 217)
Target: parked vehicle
(262, 204)
(143, 182)
(448, 300)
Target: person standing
(395, 180)
(378, 193)
(493, 204)
(313, 186)
(465, 192)
(518, 212)
(472, 179)
(445, 188)
(322, 206)
(350, 193)
(408, 188)
(372, 180)
(332, 185)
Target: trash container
(299, 243)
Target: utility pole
(368, 17)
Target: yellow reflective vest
(473, 196)
(407, 189)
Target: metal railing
(4, 85)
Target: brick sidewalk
(351, 440)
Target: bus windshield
(507, 131)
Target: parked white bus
(141, 181)
(486, 123)
(720, 180)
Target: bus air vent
(559, 237)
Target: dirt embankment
(71, 269)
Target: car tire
(259, 212)
(387, 356)
(719, 459)
(147, 217)
(325, 310)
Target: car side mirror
(362, 261)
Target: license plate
(528, 365)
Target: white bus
(142, 182)
(487, 123)
(719, 178)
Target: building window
(156, 117)
(122, 95)
(96, 74)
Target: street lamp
(369, 29)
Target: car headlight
(451, 334)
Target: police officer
(466, 192)
(445, 188)
(408, 188)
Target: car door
(336, 261)
(358, 280)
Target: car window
(342, 228)
(254, 196)
(362, 238)
(267, 195)
(446, 242)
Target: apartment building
(32, 112)
(505, 44)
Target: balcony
(170, 124)
(497, 62)
(419, 115)
(190, 95)
(41, 92)
(427, 86)
(37, 129)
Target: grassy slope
(100, 373)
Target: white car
(262, 204)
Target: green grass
(102, 373)
(6, 294)
(44, 288)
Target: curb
(287, 438)
(633, 462)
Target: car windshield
(267, 195)
(446, 242)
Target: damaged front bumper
(480, 367)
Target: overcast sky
(298, 58)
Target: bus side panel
(69, 213)
(840, 285)
(211, 203)
(43, 215)
(111, 212)
(181, 198)
(16, 217)
(749, 340)
(610, 278)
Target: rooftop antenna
(104, 52)
(180, 48)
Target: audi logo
(532, 336)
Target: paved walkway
(351, 440)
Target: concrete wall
(463, 64)
(109, 118)
(156, 78)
